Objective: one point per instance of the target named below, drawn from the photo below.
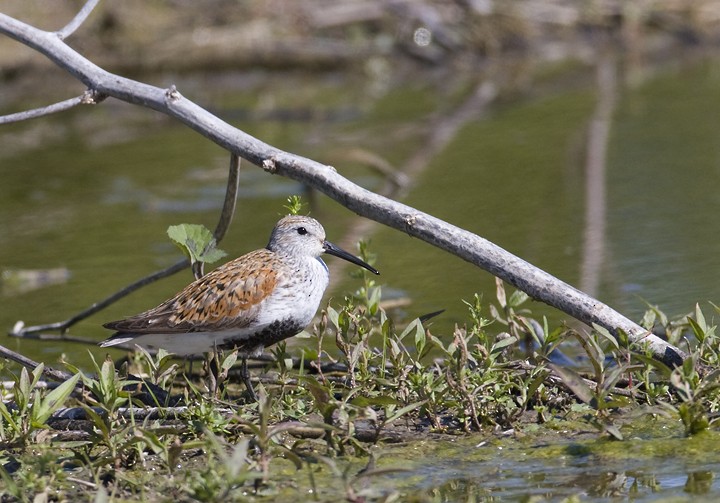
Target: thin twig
(79, 19)
(50, 373)
(87, 98)
(80, 413)
(45, 337)
(228, 210)
(82, 482)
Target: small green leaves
(294, 205)
(196, 242)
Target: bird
(247, 304)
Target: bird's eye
(302, 231)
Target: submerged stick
(50, 373)
(226, 216)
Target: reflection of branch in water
(401, 181)
(593, 252)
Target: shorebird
(248, 304)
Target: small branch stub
(269, 166)
(92, 97)
(172, 95)
(410, 221)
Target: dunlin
(248, 304)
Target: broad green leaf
(517, 298)
(414, 325)
(700, 317)
(54, 400)
(575, 382)
(613, 430)
(606, 334)
(97, 420)
(534, 384)
(697, 329)
(333, 316)
(500, 292)
(401, 412)
(420, 338)
(196, 242)
(318, 391)
(9, 419)
(230, 360)
(498, 346)
(24, 390)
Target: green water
(97, 197)
(93, 193)
(539, 463)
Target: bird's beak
(339, 252)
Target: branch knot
(269, 166)
(92, 97)
(172, 94)
(410, 221)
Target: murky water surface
(86, 197)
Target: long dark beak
(339, 252)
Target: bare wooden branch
(537, 283)
(364, 430)
(40, 112)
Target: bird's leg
(245, 376)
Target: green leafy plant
(607, 372)
(32, 408)
(227, 470)
(161, 368)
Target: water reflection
(699, 482)
(590, 484)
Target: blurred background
(583, 137)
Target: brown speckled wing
(225, 298)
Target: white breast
(298, 296)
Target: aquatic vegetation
(326, 410)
